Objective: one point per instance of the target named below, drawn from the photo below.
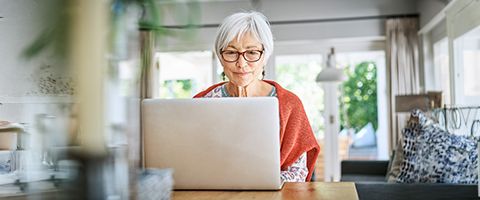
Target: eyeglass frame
(243, 55)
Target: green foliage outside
(359, 100)
(176, 89)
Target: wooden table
(311, 190)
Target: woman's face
(241, 72)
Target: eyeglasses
(249, 55)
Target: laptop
(214, 143)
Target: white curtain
(148, 69)
(147, 76)
(402, 66)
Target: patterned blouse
(298, 171)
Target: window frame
(462, 17)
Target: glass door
(363, 106)
(344, 115)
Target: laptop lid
(214, 143)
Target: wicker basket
(155, 184)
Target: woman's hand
(242, 91)
(237, 91)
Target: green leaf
(359, 102)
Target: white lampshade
(331, 73)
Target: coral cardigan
(296, 135)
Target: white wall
(22, 22)
(38, 85)
(213, 12)
(429, 8)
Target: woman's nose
(241, 62)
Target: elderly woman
(243, 44)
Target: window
(468, 47)
(184, 74)
(463, 24)
(467, 59)
(297, 73)
(442, 70)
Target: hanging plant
(151, 18)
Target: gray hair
(236, 25)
